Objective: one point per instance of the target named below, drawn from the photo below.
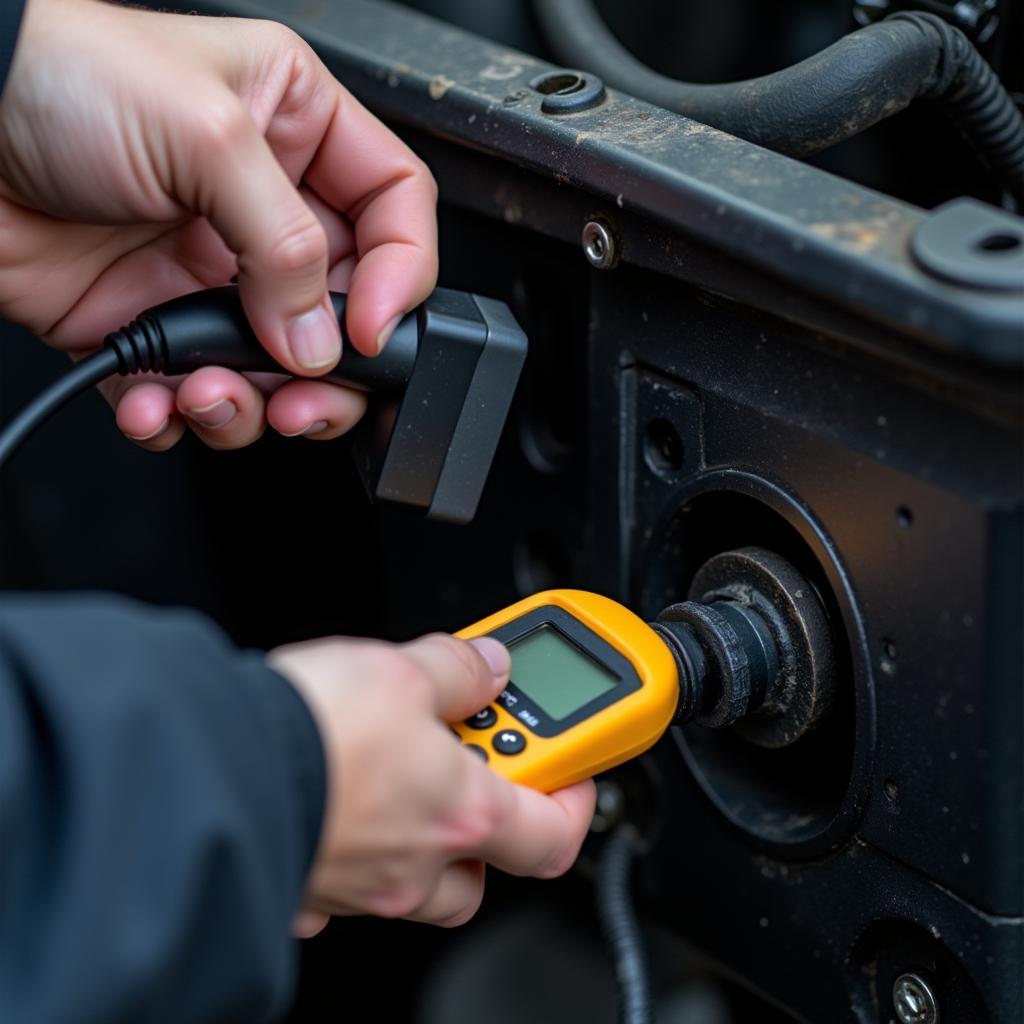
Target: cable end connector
(141, 347)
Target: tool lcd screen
(557, 674)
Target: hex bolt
(914, 1001)
(599, 245)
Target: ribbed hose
(620, 927)
(856, 82)
(971, 93)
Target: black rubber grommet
(567, 92)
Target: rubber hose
(856, 82)
(621, 929)
(984, 112)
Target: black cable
(621, 929)
(207, 328)
(856, 82)
(81, 377)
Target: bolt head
(599, 245)
(914, 1001)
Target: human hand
(411, 815)
(146, 155)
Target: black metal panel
(817, 393)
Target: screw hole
(904, 517)
(560, 84)
(663, 447)
(999, 243)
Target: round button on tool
(483, 719)
(478, 750)
(509, 741)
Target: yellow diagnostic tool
(591, 686)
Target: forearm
(160, 797)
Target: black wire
(621, 929)
(206, 328)
(81, 377)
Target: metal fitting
(599, 245)
(914, 1001)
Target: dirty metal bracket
(843, 243)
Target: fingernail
(494, 653)
(314, 339)
(155, 433)
(219, 414)
(386, 331)
(313, 428)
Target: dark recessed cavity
(663, 447)
(999, 242)
(561, 83)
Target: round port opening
(803, 798)
(999, 242)
(663, 448)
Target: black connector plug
(446, 380)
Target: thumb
(281, 246)
(465, 675)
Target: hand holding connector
(445, 381)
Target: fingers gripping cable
(444, 385)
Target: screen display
(556, 674)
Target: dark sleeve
(160, 803)
(10, 23)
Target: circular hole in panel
(904, 517)
(560, 83)
(999, 242)
(802, 798)
(663, 447)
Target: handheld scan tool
(591, 686)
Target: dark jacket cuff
(290, 720)
(10, 24)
